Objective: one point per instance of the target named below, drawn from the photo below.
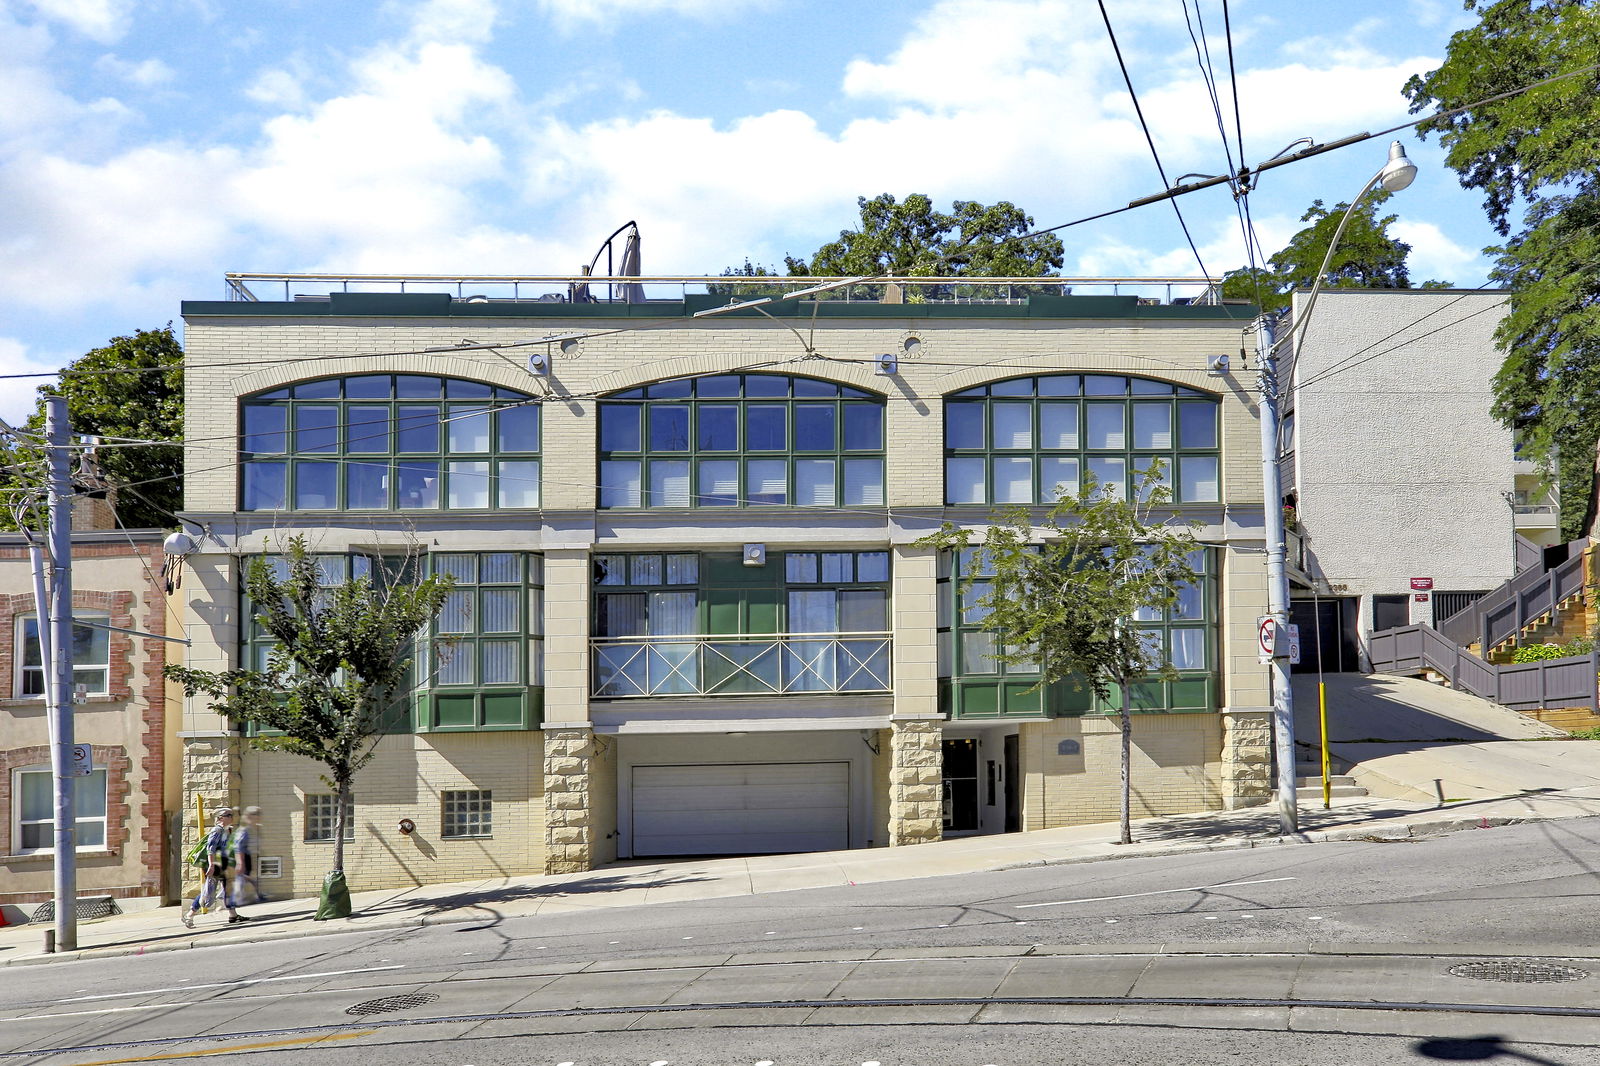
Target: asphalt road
(1273, 928)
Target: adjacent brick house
(122, 715)
(691, 614)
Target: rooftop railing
(582, 288)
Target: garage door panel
(743, 808)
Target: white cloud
(454, 22)
(1435, 256)
(99, 20)
(570, 15)
(18, 398)
(145, 73)
(278, 88)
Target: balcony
(749, 665)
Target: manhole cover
(392, 1003)
(1518, 971)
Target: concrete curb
(1374, 834)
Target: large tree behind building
(1533, 157)
(130, 390)
(911, 237)
(1367, 257)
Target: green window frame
(389, 442)
(974, 683)
(676, 594)
(742, 440)
(1029, 440)
(486, 648)
(503, 621)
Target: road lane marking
(230, 984)
(1162, 892)
(238, 1047)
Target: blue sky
(147, 147)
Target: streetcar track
(1224, 1002)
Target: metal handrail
(238, 283)
(764, 664)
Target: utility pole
(58, 672)
(1277, 576)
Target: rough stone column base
(1246, 756)
(916, 768)
(212, 772)
(569, 831)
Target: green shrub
(1536, 652)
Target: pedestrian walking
(216, 856)
(246, 846)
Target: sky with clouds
(148, 146)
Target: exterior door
(741, 809)
(961, 785)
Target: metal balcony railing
(587, 288)
(747, 665)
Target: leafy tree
(1536, 150)
(131, 388)
(1367, 257)
(337, 675)
(745, 290)
(913, 238)
(1064, 590)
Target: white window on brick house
(322, 815)
(33, 812)
(91, 655)
(468, 813)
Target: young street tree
(1367, 257)
(1536, 150)
(132, 388)
(340, 669)
(1066, 592)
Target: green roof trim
(444, 305)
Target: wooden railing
(1410, 650)
(1504, 612)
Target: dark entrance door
(960, 786)
(1013, 790)
(1327, 634)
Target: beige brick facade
(557, 792)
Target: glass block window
(322, 818)
(33, 819)
(467, 813)
(389, 442)
(91, 655)
(742, 440)
(1030, 440)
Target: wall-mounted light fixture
(407, 827)
(755, 555)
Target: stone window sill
(25, 702)
(50, 856)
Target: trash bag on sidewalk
(335, 902)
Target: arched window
(389, 442)
(736, 440)
(1029, 440)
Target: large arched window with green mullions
(741, 440)
(1031, 439)
(389, 442)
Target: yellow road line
(237, 1047)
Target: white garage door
(741, 809)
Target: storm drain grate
(1518, 971)
(389, 1004)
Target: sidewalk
(630, 884)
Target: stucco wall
(1399, 465)
(1071, 768)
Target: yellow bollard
(1322, 710)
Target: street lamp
(1395, 175)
